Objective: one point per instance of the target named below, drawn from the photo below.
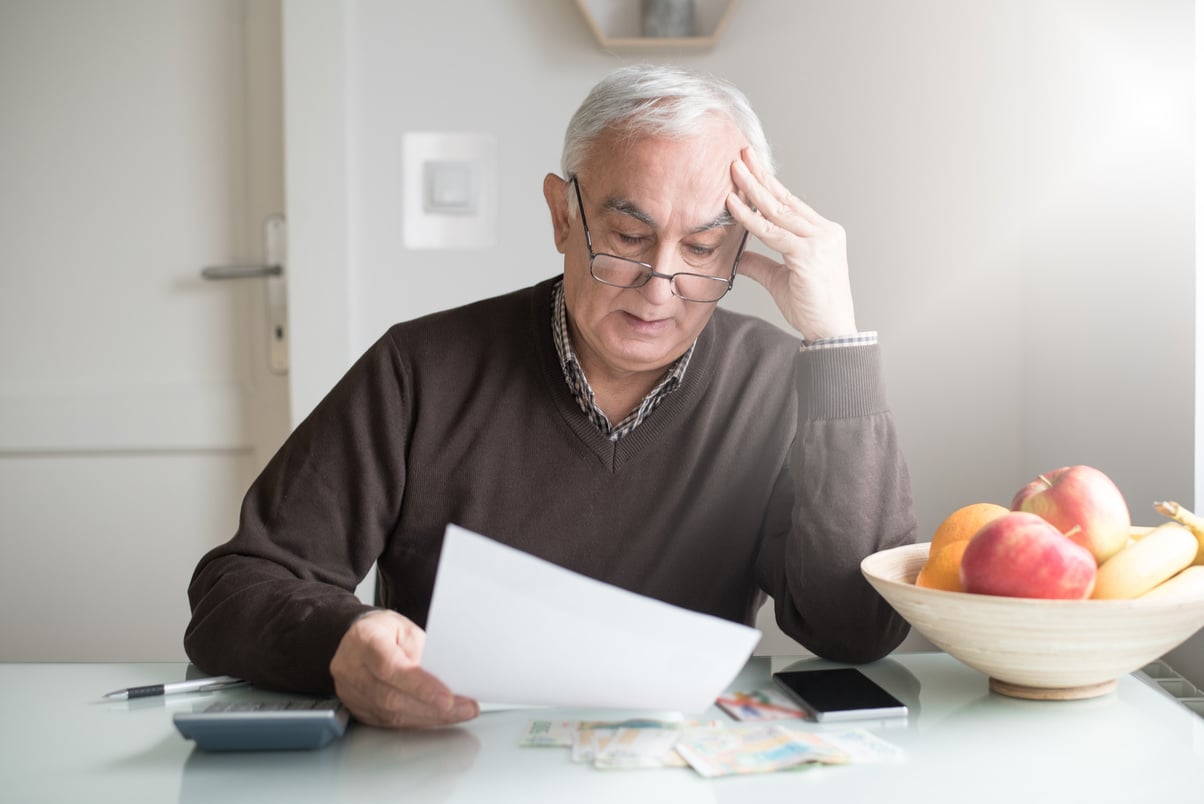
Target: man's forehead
(625, 206)
(711, 148)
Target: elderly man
(612, 420)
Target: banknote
(760, 705)
(632, 743)
(626, 748)
(712, 748)
(864, 747)
(754, 749)
(560, 733)
(548, 733)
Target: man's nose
(659, 288)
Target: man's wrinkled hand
(811, 283)
(379, 678)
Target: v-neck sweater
(770, 470)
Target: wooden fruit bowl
(1042, 649)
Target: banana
(1136, 534)
(1141, 566)
(1189, 520)
(1187, 585)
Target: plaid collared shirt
(584, 394)
(580, 386)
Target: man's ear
(555, 192)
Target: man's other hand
(811, 284)
(378, 676)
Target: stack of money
(711, 748)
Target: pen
(191, 685)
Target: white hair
(662, 101)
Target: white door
(140, 140)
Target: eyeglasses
(622, 272)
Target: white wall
(1016, 177)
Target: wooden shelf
(616, 25)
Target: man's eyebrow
(720, 221)
(624, 207)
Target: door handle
(241, 271)
(272, 270)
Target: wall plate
(449, 190)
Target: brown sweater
(768, 471)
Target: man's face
(658, 201)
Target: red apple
(1021, 555)
(1084, 504)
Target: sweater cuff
(840, 383)
(314, 640)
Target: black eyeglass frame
(648, 271)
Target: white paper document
(507, 627)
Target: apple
(1083, 503)
(1022, 555)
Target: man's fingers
(770, 196)
(410, 698)
(765, 228)
(378, 676)
(395, 709)
(810, 285)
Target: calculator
(268, 725)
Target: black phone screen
(840, 693)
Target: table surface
(61, 741)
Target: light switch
(449, 190)
(450, 186)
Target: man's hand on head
(811, 284)
(379, 677)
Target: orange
(940, 571)
(949, 541)
(964, 523)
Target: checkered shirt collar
(584, 394)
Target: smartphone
(841, 693)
